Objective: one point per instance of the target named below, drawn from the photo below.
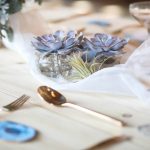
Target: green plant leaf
(38, 1)
(15, 6)
(10, 34)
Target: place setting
(16, 132)
(84, 80)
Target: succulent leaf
(59, 42)
(72, 34)
(59, 35)
(103, 45)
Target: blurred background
(97, 4)
(94, 16)
(88, 16)
(68, 10)
(104, 6)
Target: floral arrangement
(71, 54)
(8, 7)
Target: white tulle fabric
(131, 78)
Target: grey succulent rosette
(103, 45)
(60, 42)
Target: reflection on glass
(141, 12)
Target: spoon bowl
(51, 96)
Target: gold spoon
(52, 96)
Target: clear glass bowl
(54, 65)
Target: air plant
(82, 68)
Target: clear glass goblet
(141, 12)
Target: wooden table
(65, 128)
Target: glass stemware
(141, 12)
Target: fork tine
(16, 105)
(19, 101)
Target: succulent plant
(59, 42)
(63, 53)
(102, 45)
(54, 50)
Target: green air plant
(83, 69)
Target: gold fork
(16, 104)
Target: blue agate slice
(101, 23)
(16, 132)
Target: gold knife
(109, 142)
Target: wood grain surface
(65, 128)
(62, 128)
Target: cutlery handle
(96, 114)
(110, 141)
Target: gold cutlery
(16, 104)
(110, 141)
(54, 97)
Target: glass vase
(55, 65)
